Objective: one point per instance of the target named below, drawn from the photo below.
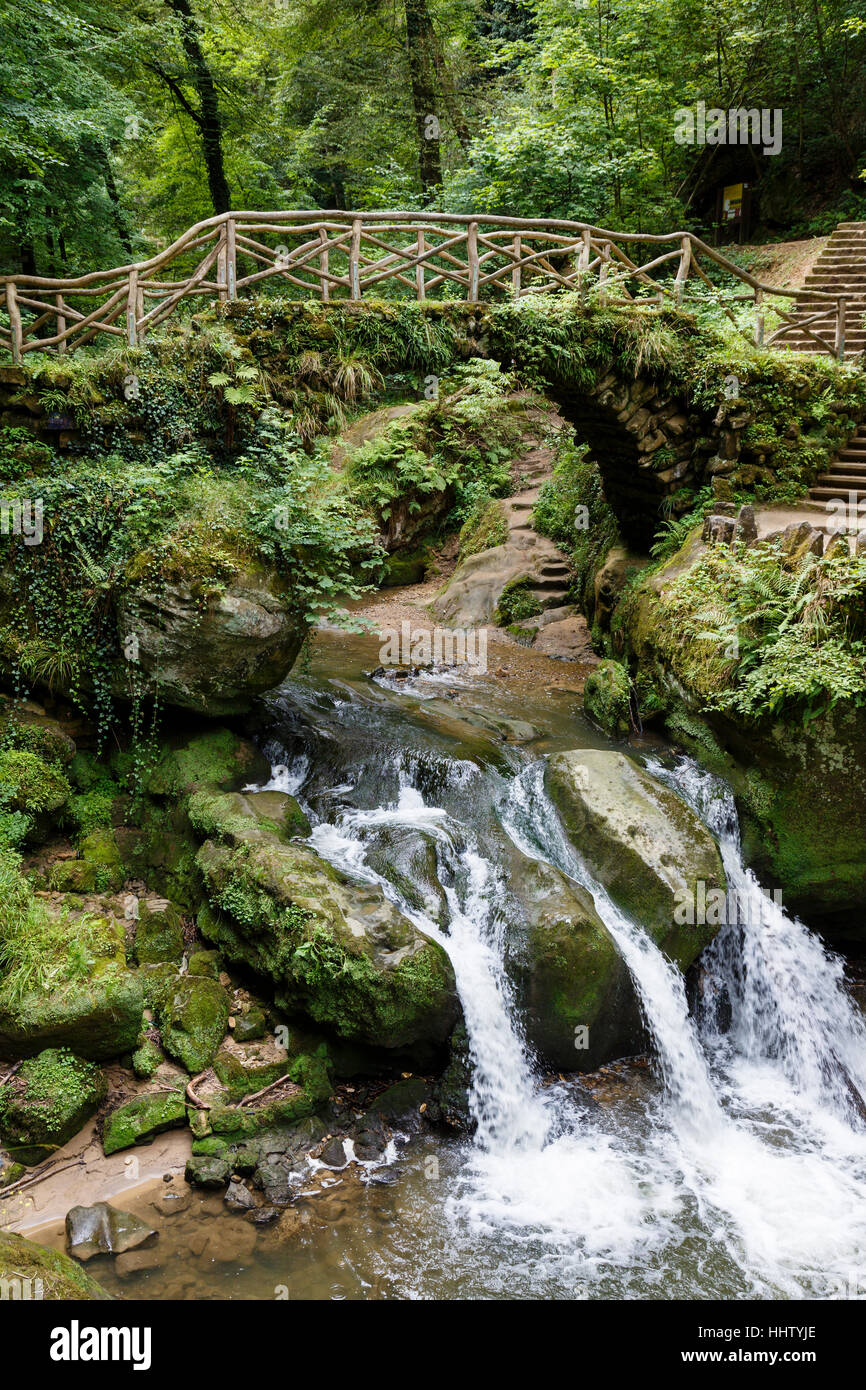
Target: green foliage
(517, 601)
(754, 637)
(485, 526)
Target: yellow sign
(732, 202)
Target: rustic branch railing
(345, 255)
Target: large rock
(579, 1003)
(213, 655)
(96, 1014)
(104, 1230)
(337, 951)
(47, 1102)
(646, 846)
(30, 1273)
(193, 1021)
(607, 698)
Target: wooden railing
(346, 255)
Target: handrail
(344, 253)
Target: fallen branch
(9, 1075)
(40, 1177)
(281, 1081)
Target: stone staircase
(846, 475)
(840, 269)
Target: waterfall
(741, 1172)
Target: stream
(733, 1166)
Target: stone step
(845, 482)
(830, 495)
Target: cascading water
(743, 1173)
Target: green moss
(159, 934)
(193, 1021)
(607, 697)
(28, 783)
(52, 1275)
(146, 1058)
(139, 1119)
(517, 601)
(485, 527)
(47, 1103)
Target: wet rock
(357, 965)
(172, 1201)
(576, 992)
(104, 1230)
(238, 1197)
(47, 1102)
(207, 1171)
(273, 1180)
(451, 1092)
(403, 1100)
(234, 1244)
(647, 847)
(334, 1154)
(137, 1262)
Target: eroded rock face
(213, 655)
(648, 849)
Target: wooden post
(472, 257)
(323, 265)
(231, 259)
(61, 324)
(355, 261)
(419, 269)
(516, 246)
(602, 273)
(14, 321)
(131, 307)
(759, 317)
(222, 267)
(583, 263)
(683, 268)
(139, 313)
(840, 327)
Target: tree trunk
(208, 117)
(422, 75)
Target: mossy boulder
(47, 1102)
(205, 963)
(193, 1020)
(138, 1120)
(147, 1058)
(97, 1016)
(30, 1272)
(607, 697)
(158, 932)
(247, 817)
(307, 1087)
(642, 842)
(217, 758)
(73, 876)
(336, 951)
(250, 1026)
